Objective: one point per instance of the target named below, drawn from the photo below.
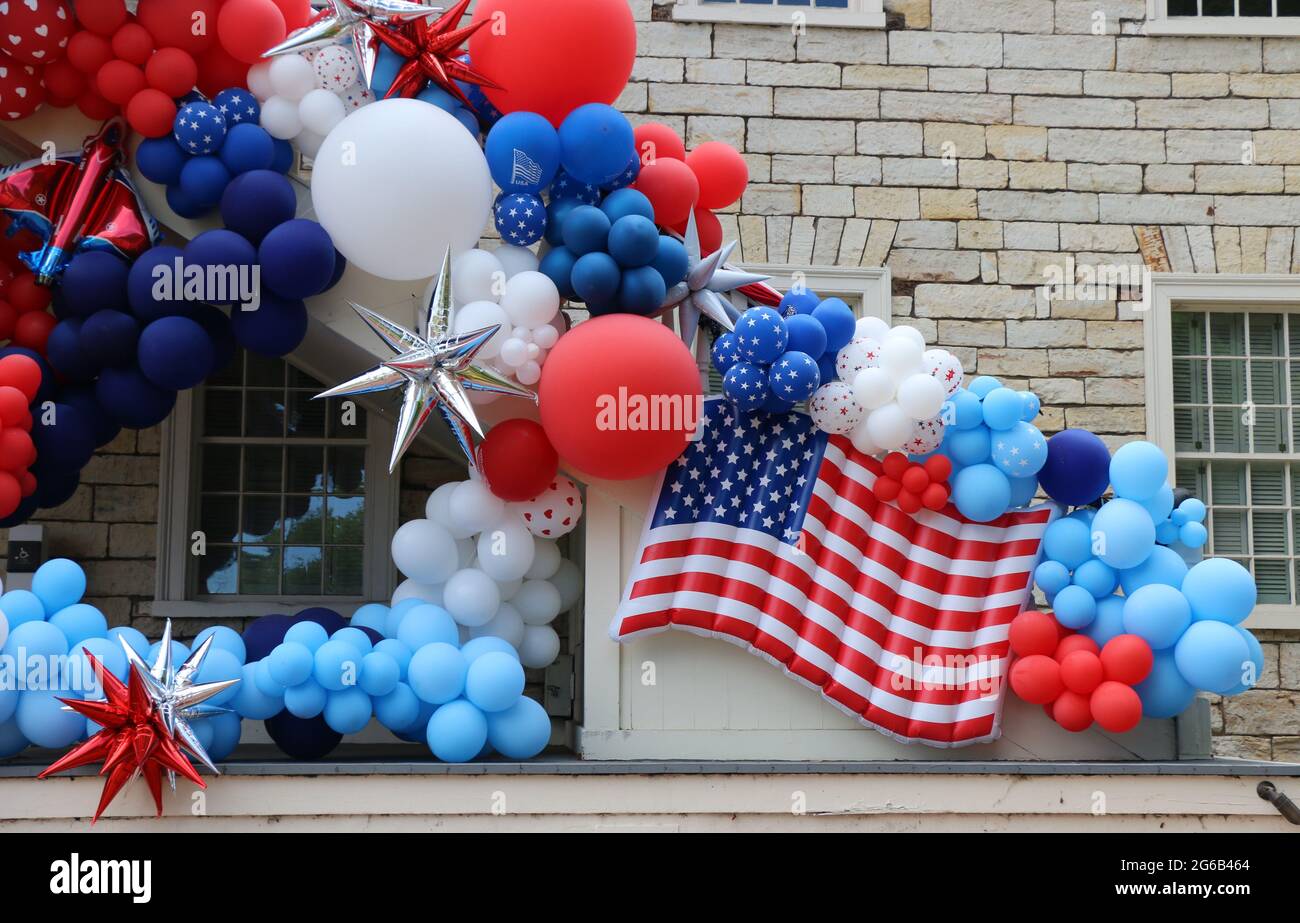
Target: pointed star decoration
(707, 280)
(434, 370)
(351, 18)
(145, 723)
(432, 51)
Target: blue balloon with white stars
(520, 218)
(794, 377)
(1020, 451)
(627, 177)
(199, 128)
(762, 335)
(238, 105)
(745, 385)
(726, 352)
(565, 186)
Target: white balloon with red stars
(944, 366)
(356, 97)
(860, 353)
(21, 90)
(35, 31)
(833, 408)
(336, 68)
(926, 436)
(555, 511)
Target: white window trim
(860, 14)
(176, 497)
(1159, 22)
(1267, 292)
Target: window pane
(1189, 381)
(347, 470)
(1270, 430)
(262, 520)
(343, 571)
(300, 379)
(1216, 7)
(306, 417)
(1268, 485)
(219, 518)
(1190, 476)
(217, 570)
(1188, 330)
(259, 570)
(1228, 381)
(264, 413)
(1228, 528)
(221, 412)
(1229, 431)
(232, 374)
(347, 520)
(302, 571)
(1266, 382)
(1273, 578)
(1269, 535)
(265, 372)
(220, 468)
(302, 520)
(306, 470)
(1266, 335)
(1190, 427)
(1288, 7)
(345, 425)
(1228, 484)
(1227, 334)
(1256, 8)
(262, 468)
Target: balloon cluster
(20, 377)
(995, 449)
(303, 96)
(24, 315)
(32, 56)
(211, 143)
(914, 485)
(761, 369)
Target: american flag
(765, 533)
(524, 171)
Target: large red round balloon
(1081, 672)
(11, 493)
(88, 52)
(8, 317)
(151, 112)
(21, 90)
(17, 450)
(173, 71)
(1116, 707)
(13, 405)
(553, 57)
(103, 17)
(1071, 643)
(1033, 632)
(37, 31)
(64, 83)
(94, 106)
(118, 80)
(722, 172)
(518, 460)
(296, 13)
(1036, 679)
(187, 24)
(21, 372)
(218, 69)
(249, 27)
(671, 187)
(133, 43)
(33, 329)
(1127, 659)
(26, 294)
(620, 396)
(1072, 712)
(655, 140)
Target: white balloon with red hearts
(946, 367)
(553, 512)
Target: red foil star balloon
(432, 51)
(135, 740)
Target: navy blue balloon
(132, 400)
(634, 241)
(64, 439)
(204, 179)
(93, 281)
(263, 634)
(557, 265)
(49, 384)
(248, 147)
(141, 284)
(642, 290)
(216, 324)
(284, 155)
(302, 738)
(596, 278)
(109, 338)
(520, 218)
(184, 204)
(54, 486)
(239, 106)
(102, 427)
(671, 260)
(64, 351)
(596, 143)
(523, 152)
(160, 160)
(297, 259)
(340, 267)
(199, 128)
(257, 201)
(1077, 470)
(274, 329)
(586, 230)
(826, 367)
(328, 619)
(175, 353)
(26, 507)
(626, 202)
(556, 213)
(225, 251)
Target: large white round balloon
(280, 118)
(900, 355)
(873, 388)
(471, 597)
(861, 437)
(410, 589)
(396, 184)
(425, 551)
(479, 314)
(905, 330)
(320, 111)
(292, 76)
(473, 508)
(860, 353)
(871, 328)
(531, 299)
(921, 396)
(435, 507)
(476, 275)
(540, 647)
(889, 427)
(546, 560)
(538, 601)
(505, 552)
(507, 624)
(516, 259)
(568, 580)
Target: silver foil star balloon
(343, 18)
(434, 370)
(707, 280)
(175, 694)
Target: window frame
(177, 499)
(859, 14)
(1159, 22)
(1165, 291)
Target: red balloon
(938, 467)
(518, 460)
(709, 228)
(118, 80)
(1116, 707)
(8, 317)
(1127, 659)
(1071, 643)
(64, 83)
(915, 479)
(173, 71)
(1081, 672)
(151, 112)
(908, 502)
(655, 140)
(887, 489)
(1033, 632)
(895, 465)
(13, 405)
(94, 106)
(722, 172)
(620, 396)
(249, 27)
(133, 43)
(37, 31)
(21, 372)
(88, 52)
(103, 17)
(28, 482)
(1072, 712)
(17, 451)
(671, 188)
(935, 497)
(21, 90)
(33, 329)
(25, 294)
(296, 13)
(11, 493)
(187, 24)
(218, 70)
(586, 49)
(1036, 679)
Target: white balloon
(861, 438)
(292, 76)
(926, 436)
(473, 508)
(568, 580)
(507, 624)
(471, 597)
(505, 552)
(860, 353)
(425, 551)
(546, 560)
(516, 259)
(873, 388)
(546, 337)
(410, 589)
(540, 646)
(336, 68)
(510, 588)
(538, 601)
(900, 355)
(534, 351)
(834, 409)
(476, 275)
(479, 314)
(398, 182)
(920, 396)
(280, 118)
(309, 142)
(531, 299)
(514, 352)
(259, 80)
(889, 427)
(435, 507)
(320, 111)
(906, 330)
(530, 373)
(946, 367)
(871, 328)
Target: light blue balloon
(1002, 409)
(1256, 658)
(1158, 614)
(225, 734)
(1161, 504)
(371, 615)
(310, 635)
(457, 731)
(1085, 514)
(218, 666)
(224, 639)
(135, 639)
(336, 665)
(36, 639)
(80, 621)
(1096, 577)
(968, 446)
(981, 493)
(1023, 491)
(1211, 655)
(179, 653)
(203, 731)
(1031, 406)
(380, 673)
(521, 731)
(1052, 577)
(250, 701)
(494, 681)
(12, 741)
(305, 700)
(1068, 541)
(1075, 607)
(476, 647)
(399, 709)
(1164, 693)
(964, 410)
(1193, 535)
(266, 683)
(1163, 566)
(427, 624)
(1167, 532)
(436, 673)
(8, 703)
(290, 664)
(1108, 622)
(1020, 451)
(355, 637)
(42, 720)
(418, 730)
(1220, 590)
(398, 651)
(983, 385)
(1127, 534)
(1138, 471)
(59, 583)
(21, 606)
(397, 613)
(82, 680)
(1193, 509)
(347, 711)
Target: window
(1223, 17)
(1229, 373)
(862, 14)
